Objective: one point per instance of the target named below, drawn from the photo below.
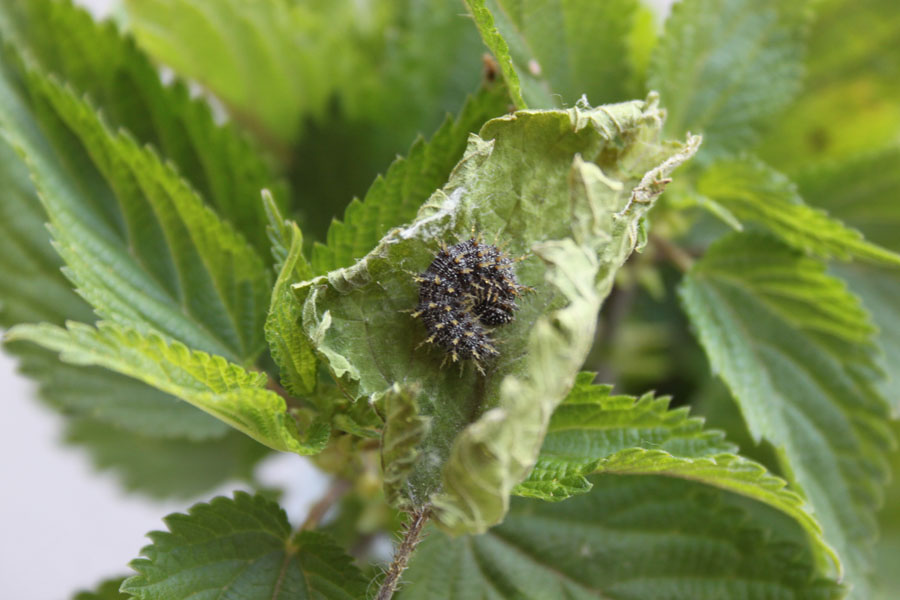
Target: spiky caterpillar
(468, 289)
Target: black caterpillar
(468, 288)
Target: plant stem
(339, 487)
(411, 539)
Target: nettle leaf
(887, 583)
(630, 538)
(595, 432)
(754, 192)
(107, 590)
(290, 348)
(114, 399)
(282, 66)
(33, 288)
(157, 444)
(242, 547)
(166, 467)
(253, 55)
(403, 434)
(848, 103)
(99, 61)
(723, 68)
(592, 425)
(795, 348)
(139, 243)
(499, 47)
(522, 165)
(396, 197)
(225, 390)
(560, 51)
(31, 284)
(863, 192)
(405, 83)
(879, 290)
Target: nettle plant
(194, 305)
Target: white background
(63, 526)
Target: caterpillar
(468, 289)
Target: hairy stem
(411, 539)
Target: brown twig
(339, 487)
(410, 540)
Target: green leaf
(630, 538)
(754, 192)
(862, 192)
(99, 61)
(594, 432)
(497, 44)
(795, 348)
(290, 348)
(253, 55)
(404, 85)
(879, 290)
(723, 68)
(848, 104)
(395, 198)
(224, 390)
(281, 67)
(114, 399)
(33, 288)
(590, 426)
(887, 578)
(561, 51)
(165, 467)
(517, 168)
(403, 434)
(107, 590)
(242, 547)
(139, 243)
